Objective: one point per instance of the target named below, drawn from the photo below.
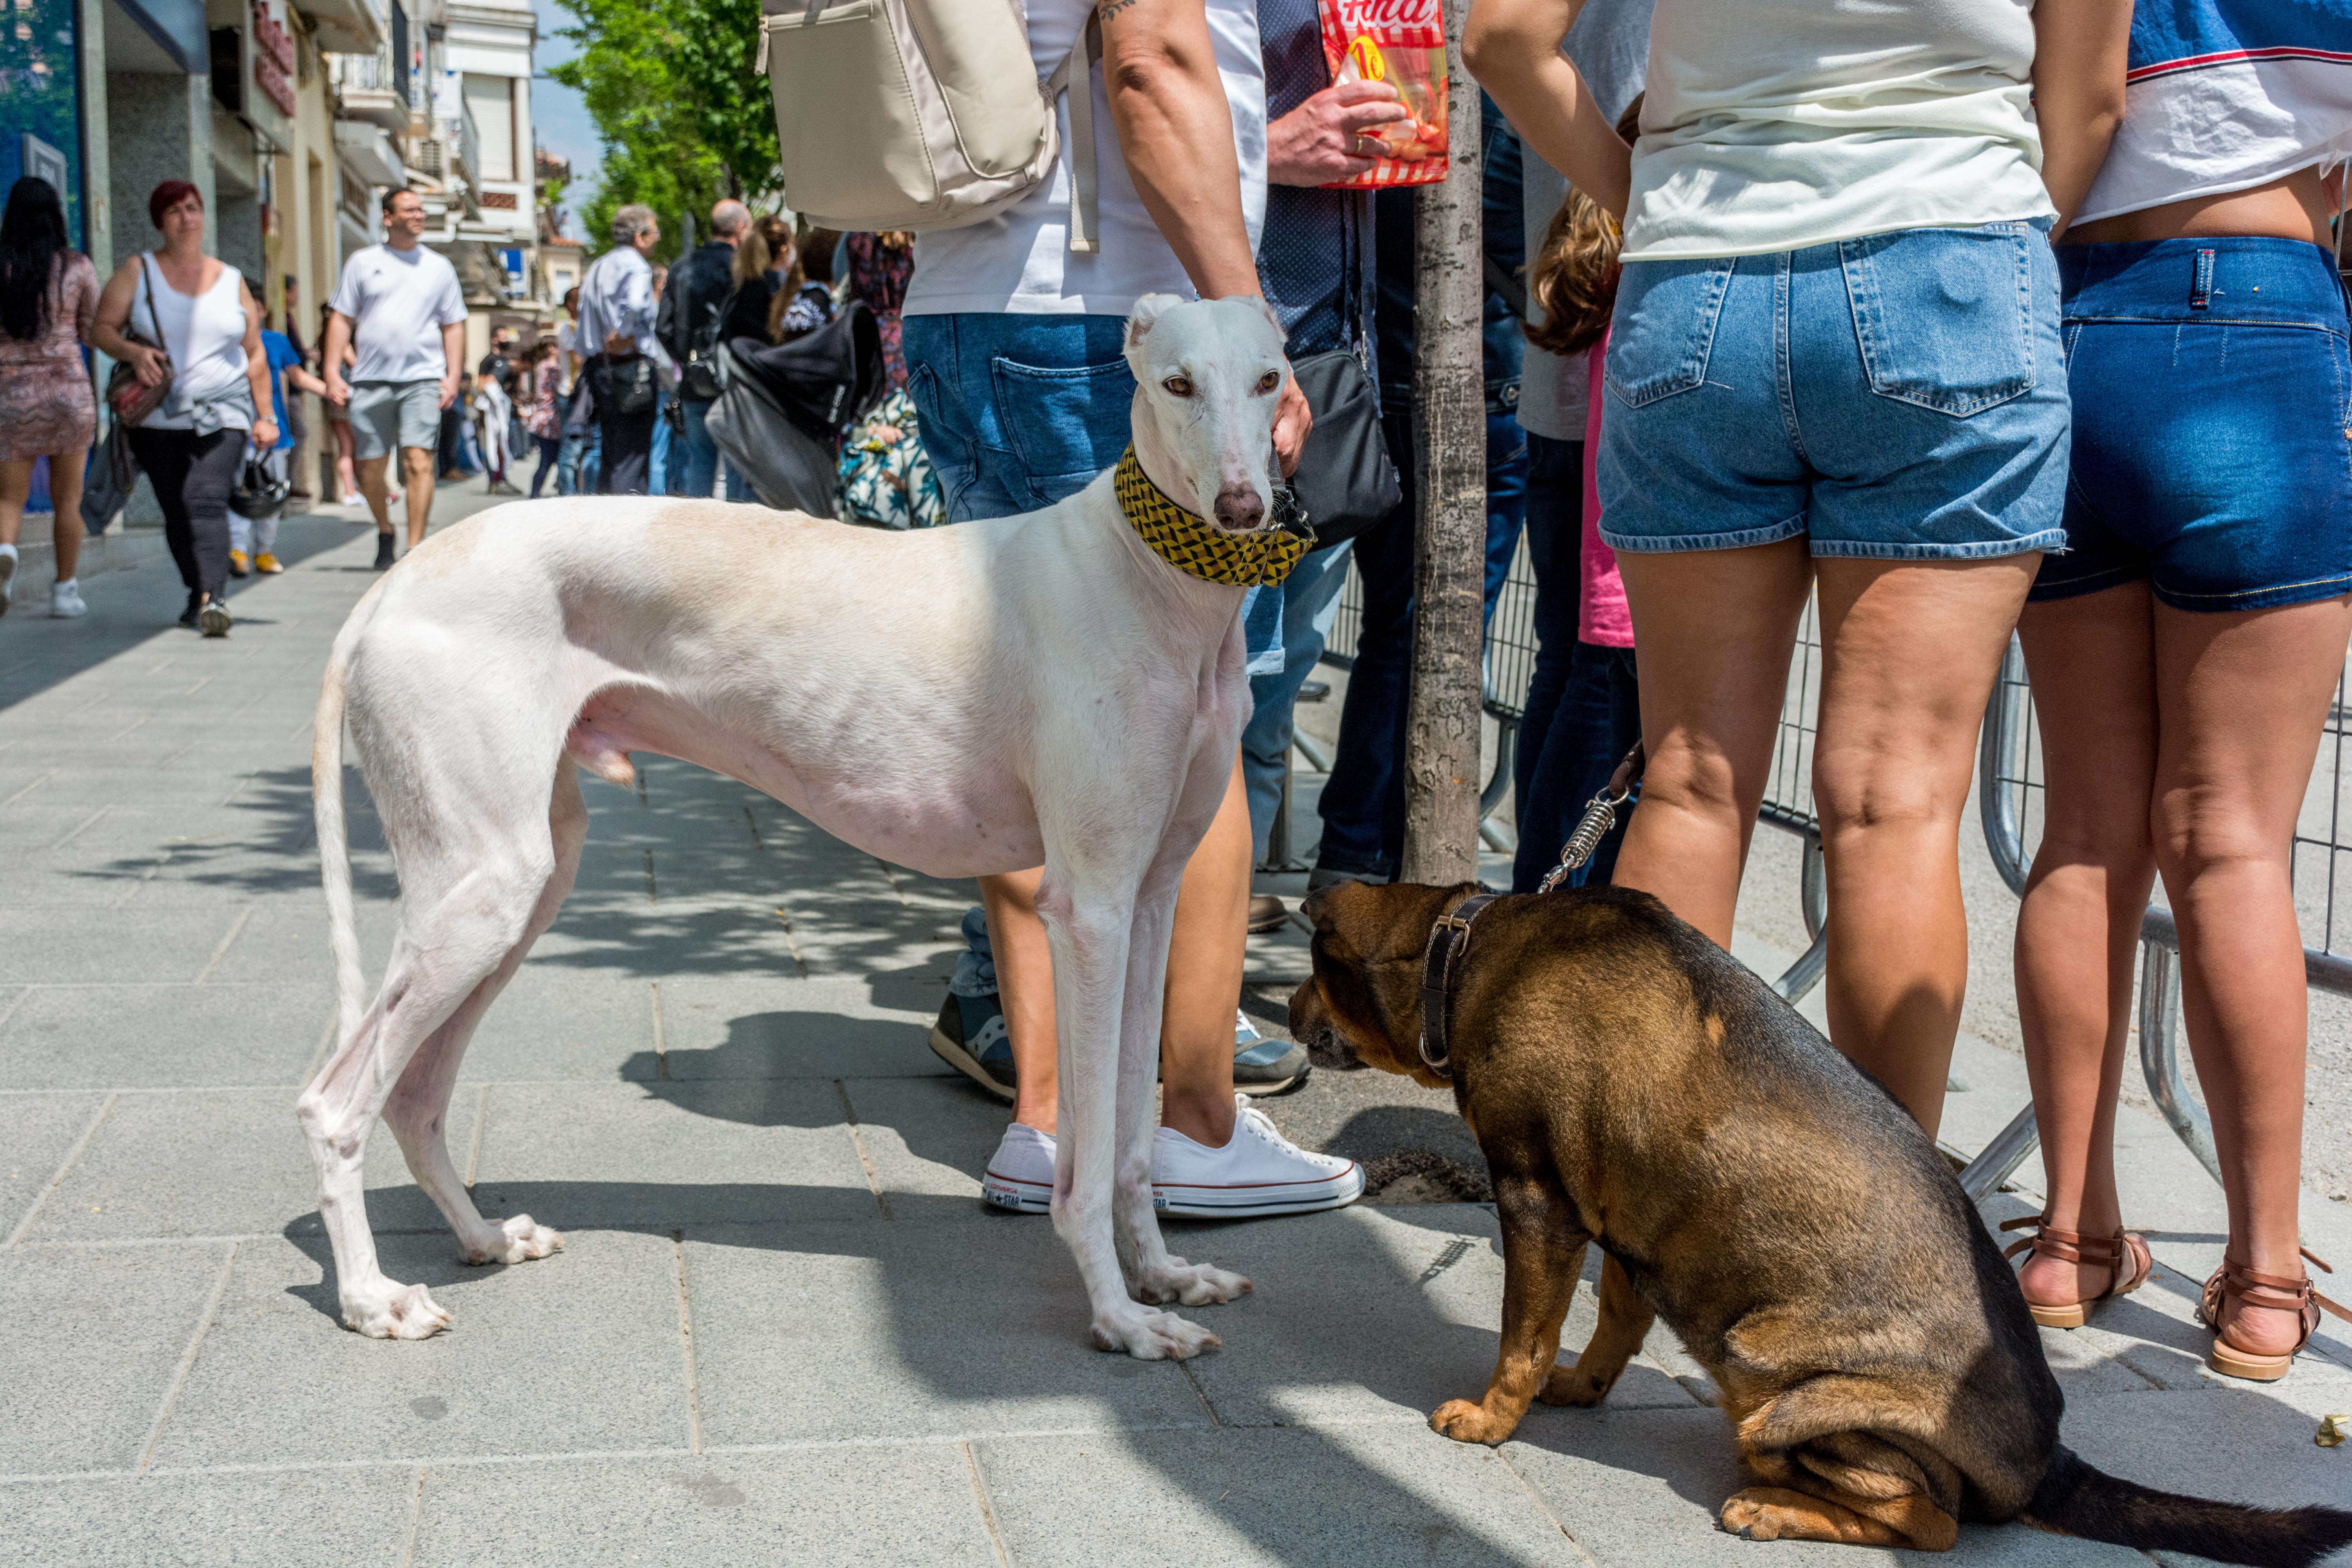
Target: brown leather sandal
(2235, 1280)
(2073, 1246)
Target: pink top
(1601, 617)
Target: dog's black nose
(1240, 506)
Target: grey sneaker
(213, 618)
(970, 1037)
(1261, 1065)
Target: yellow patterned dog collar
(1183, 540)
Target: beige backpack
(921, 114)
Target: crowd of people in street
(1822, 300)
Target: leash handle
(1599, 816)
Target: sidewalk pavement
(785, 1329)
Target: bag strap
(1084, 224)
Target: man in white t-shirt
(1012, 345)
(400, 306)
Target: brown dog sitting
(1634, 1086)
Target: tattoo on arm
(1111, 8)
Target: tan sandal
(2073, 1246)
(2235, 1280)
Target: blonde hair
(1574, 276)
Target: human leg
(417, 462)
(214, 461)
(2093, 666)
(65, 522)
(626, 453)
(1555, 536)
(550, 451)
(1594, 723)
(164, 456)
(1909, 653)
(1354, 803)
(1716, 629)
(700, 452)
(1310, 597)
(2243, 697)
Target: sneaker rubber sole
(1010, 1193)
(949, 1049)
(212, 619)
(1260, 1200)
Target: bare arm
(453, 353)
(112, 315)
(2080, 51)
(1160, 71)
(256, 372)
(334, 356)
(1512, 46)
(301, 380)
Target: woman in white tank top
(1834, 359)
(178, 312)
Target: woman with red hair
(183, 319)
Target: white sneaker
(8, 575)
(1259, 1171)
(65, 600)
(1020, 1174)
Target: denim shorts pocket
(1945, 316)
(1063, 424)
(1664, 326)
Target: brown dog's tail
(2075, 1500)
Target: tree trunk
(1449, 421)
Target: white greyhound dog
(1034, 689)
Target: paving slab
(929, 1140)
(554, 1021)
(317, 1518)
(575, 1352)
(775, 1027)
(661, 1155)
(93, 1342)
(64, 944)
(37, 1132)
(1642, 1487)
(815, 1332)
(879, 1505)
(164, 1037)
(1423, 1292)
(203, 1163)
(285, 939)
(1335, 1496)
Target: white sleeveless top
(205, 335)
(1775, 124)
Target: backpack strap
(1081, 147)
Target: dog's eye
(1180, 386)
(1269, 381)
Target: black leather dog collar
(1449, 939)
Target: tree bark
(1449, 419)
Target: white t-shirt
(1776, 124)
(398, 301)
(1021, 261)
(205, 335)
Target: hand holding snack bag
(1401, 43)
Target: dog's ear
(1147, 309)
(1266, 310)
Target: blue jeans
(1555, 534)
(658, 464)
(1310, 598)
(577, 469)
(1593, 724)
(1897, 397)
(1364, 802)
(702, 459)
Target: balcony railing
(367, 87)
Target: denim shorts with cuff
(2213, 423)
(1018, 412)
(1897, 397)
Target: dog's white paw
(1152, 1336)
(399, 1313)
(1193, 1284)
(520, 1241)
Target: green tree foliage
(683, 118)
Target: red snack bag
(1402, 43)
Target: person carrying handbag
(616, 316)
(186, 325)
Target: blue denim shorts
(2214, 432)
(1017, 411)
(1897, 397)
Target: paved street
(784, 1329)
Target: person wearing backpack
(1012, 331)
(693, 311)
